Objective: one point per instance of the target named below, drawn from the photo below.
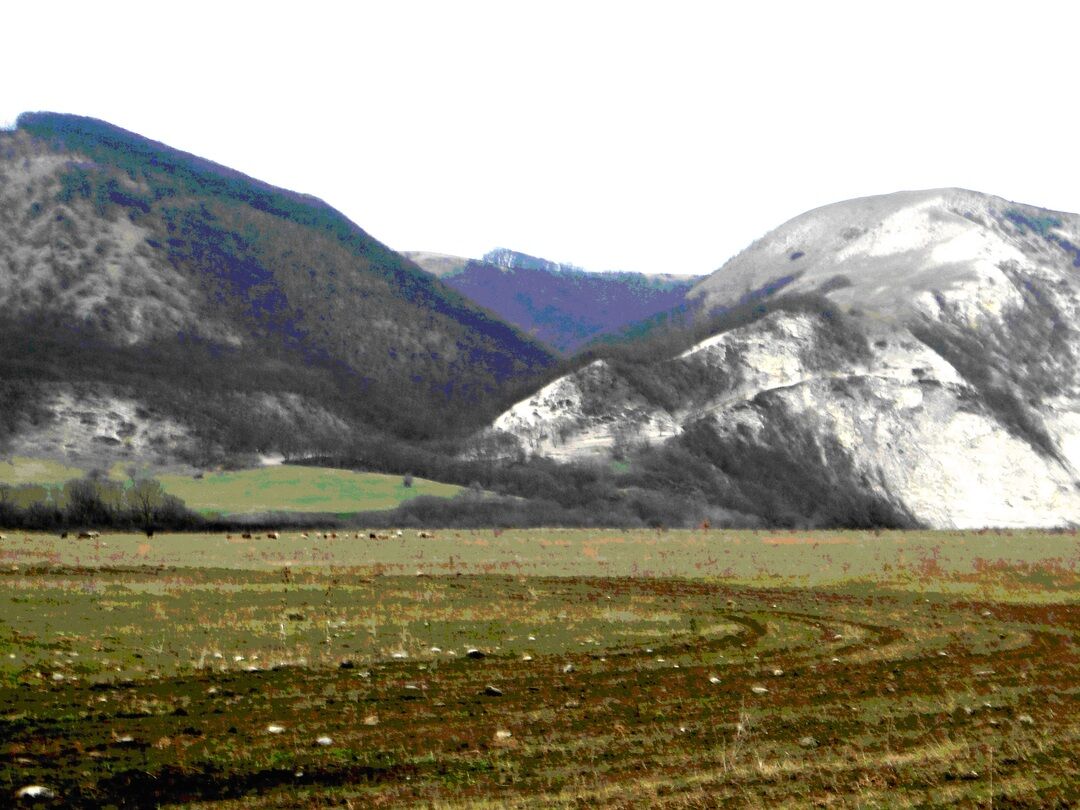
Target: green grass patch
(298, 489)
(21, 470)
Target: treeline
(95, 502)
(697, 477)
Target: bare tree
(146, 497)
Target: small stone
(475, 653)
(1026, 719)
(274, 728)
(371, 720)
(346, 664)
(400, 654)
(713, 679)
(503, 734)
(759, 690)
(324, 740)
(777, 673)
(808, 742)
(493, 691)
(568, 669)
(526, 657)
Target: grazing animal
(372, 536)
(273, 535)
(425, 535)
(246, 535)
(63, 536)
(381, 536)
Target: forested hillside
(157, 304)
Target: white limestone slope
(959, 402)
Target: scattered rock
(346, 664)
(568, 669)
(475, 653)
(759, 690)
(503, 734)
(1026, 719)
(371, 720)
(324, 740)
(399, 654)
(808, 742)
(493, 691)
(777, 673)
(713, 679)
(526, 657)
(274, 728)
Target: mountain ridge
(563, 305)
(119, 252)
(927, 364)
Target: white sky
(660, 137)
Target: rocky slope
(560, 304)
(137, 279)
(913, 356)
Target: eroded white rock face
(963, 410)
(585, 415)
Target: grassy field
(299, 489)
(621, 669)
(284, 488)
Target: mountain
(160, 306)
(906, 359)
(560, 304)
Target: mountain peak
(513, 260)
(888, 253)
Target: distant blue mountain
(562, 305)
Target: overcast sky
(660, 137)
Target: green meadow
(284, 488)
(298, 489)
